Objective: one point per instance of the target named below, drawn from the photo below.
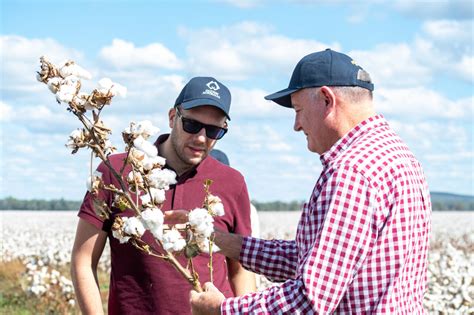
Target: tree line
(11, 203)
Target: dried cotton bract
(94, 182)
(215, 205)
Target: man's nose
(297, 126)
(201, 135)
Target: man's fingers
(176, 216)
(193, 295)
(209, 287)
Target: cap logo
(212, 89)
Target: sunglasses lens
(193, 127)
(215, 132)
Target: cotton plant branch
(148, 179)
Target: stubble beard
(178, 148)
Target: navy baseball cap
(220, 156)
(323, 68)
(201, 91)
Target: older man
(140, 283)
(362, 240)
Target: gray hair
(349, 94)
(352, 94)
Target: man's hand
(176, 216)
(207, 302)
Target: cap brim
(282, 97)
(202, 102)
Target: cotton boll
(133, 226)
(122, 239)
(161, 178)
(150, 163)
(173, 241)
(54, 84)
(157, 197)
(152, 218)
(105, 83)
(118, 89)
(108, 147)
(141, 144)
(72, 81)
(69, 68)
(66, 93)
(146, 129)
(201, 222)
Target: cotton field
(40, 243)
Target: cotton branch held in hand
(143, 188)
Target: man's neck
(353, 115)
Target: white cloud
(42, 118)
(243, 4)
(273, 140)
(123, 54)
(444, 148)
(449, 30)
(392, 65)
(292, 160)
(23, 148)
(456, 9)
(418, 102)
(251, 102)
(20, 59)
(446, 47)
(6, 112)
(244, 49)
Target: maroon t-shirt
(143, 284)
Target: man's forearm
(241, 280)
(87, 290)
(230, 244)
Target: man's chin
(196, 160)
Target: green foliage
(440, 201)
(278, 205)
(11, 203)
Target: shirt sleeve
(242, 223)
(274, 259)
(342, 242)
(88, 210)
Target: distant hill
(442, 196)
(447, 201)
(439, 200)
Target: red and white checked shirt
(362, 241)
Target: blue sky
(419, 54)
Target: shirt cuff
(250, 246)
(229, 306)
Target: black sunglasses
(193, 126)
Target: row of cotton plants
(451, 259)
(43, 242)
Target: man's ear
(171, 116)
(329, 97)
